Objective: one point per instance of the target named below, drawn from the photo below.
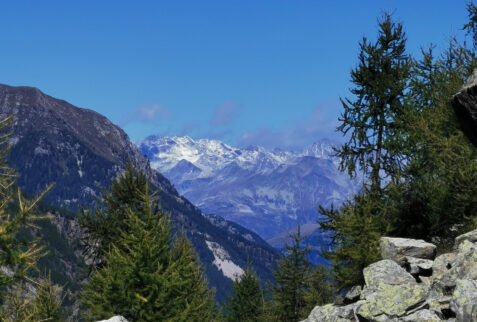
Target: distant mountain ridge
(267, 191)
(82, 152)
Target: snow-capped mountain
(267, 191)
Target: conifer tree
(375, 124)
(373, 120)
(144, 276)
(437, 190)
(291, 285)
(102, 226)
(17, 256)
(246, 303)
(320, 289)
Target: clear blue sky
(246, 72)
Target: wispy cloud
(320, 124)
(225, 114)
(146, 113)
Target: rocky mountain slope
(410, 284)
(267, 191)
(82, 152)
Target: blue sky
(246, 72)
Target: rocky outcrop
(465, 106)
(116, 318)
(409, 284)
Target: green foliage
(291, 286)
(320, 288)
(22, 305)
(144, 276)
(373, 119)
(471, 25)
(436, 192)
(19, 256)
(375, 122)
(355, 232)
(103, 226)
(246, 303)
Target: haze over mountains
(267, 191)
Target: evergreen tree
(291, 286)
(375, 123)
(19, 257)
(320, 290)
(437, 189)
(197, 300)
(246, 303)
(102, 226)
(373, 119)
(144, 276)
(355, 233)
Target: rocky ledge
(411, 284)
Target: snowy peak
(264, 190)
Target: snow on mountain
(223, 261)
(267, 191)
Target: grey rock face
(465, 106)
(471, 236)
(386, 272)
(447, 293)
(422, 316)
(116, 318)
(418, 266)
(353, 295)
(398, 248)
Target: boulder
(422, 316)
(397, 249)
(393, 301)
(387, 272)
(442, 264)
(441, 290)
(353, 295)
(471, 237)
(332, 313)
(116, 318)
(465, 107)
(464, 301)
(418, 266)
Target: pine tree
(246, 303)
(373, 120)
(320, 288)
(17, 256)
(437, 189)
(198, 301)
(144, 276)
(291, 285)
(375, 123)
(355, 233)
(102, 226)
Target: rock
(422, 316)
(447, 290)
(398, 248)
(392, 300)
(387, 272)
(464, 301)
(332, 313)
(116, 318)
(442, 264)
(353, 295)
(418, 266)
(465, 107)
(471, 237)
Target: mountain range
(266, 191)
(82, 152)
